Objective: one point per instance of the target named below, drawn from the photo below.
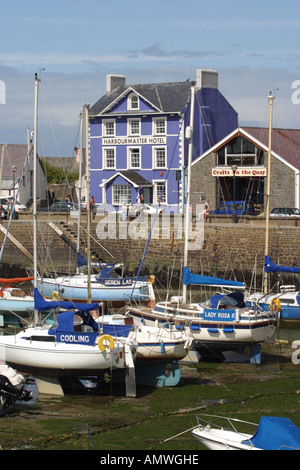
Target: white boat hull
(218, 336)
(220, 439)
(76, 288)
(153, 342)
(57, 359)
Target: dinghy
(272, 433)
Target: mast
(87, 172)
(267, 211)
(37, 81)
(189, 136)
(79, 185)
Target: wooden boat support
(16, 243)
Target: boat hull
(211, 336)
(76, 289)
(57, 359)
(220, 439)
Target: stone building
(239, 163)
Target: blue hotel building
(137, 137)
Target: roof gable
(163, 97)
(131, 176)
(14, 155)
(285, 143)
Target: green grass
(114, 422)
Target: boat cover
(15, 280)
(189, 278)
(275, 433)
(43, 305)
(233, 299)
(65, 324)
(81, 261)
(271, 267)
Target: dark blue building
(137, 137)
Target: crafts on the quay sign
(241, 171)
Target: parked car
(285, 212)
(134, 210)
(6, 201)
(241, 208)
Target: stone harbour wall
(229, 250)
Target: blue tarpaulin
(44, 306)
(189, 278)
(274, 433)
(271, 267)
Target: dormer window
(133, 101)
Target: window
(121, 194)
(159, 126)
(134, 127)
(133, 101)
(134, 158)
(240, 151)
(160, 158)
(109, 158)
(159, 192)
(108, 128)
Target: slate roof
(285, 142)
(132, 176)
(14, 154)
(165, 97)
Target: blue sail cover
(44, 306)
(189, 278)
(274, 433)
(271, 267)
(81, 261)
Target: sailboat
(54, 352)
(15, 303)
(286, 302)
(224, 323)
(109, 285)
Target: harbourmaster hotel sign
(145, 140)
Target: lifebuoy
(275, 305)
(56, 296)
(107, 339)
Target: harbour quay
(218, 247)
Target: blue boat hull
(99, 293)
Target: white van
(6, 201)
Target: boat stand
(49, 386)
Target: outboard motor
(11, 388)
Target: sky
(74, 44)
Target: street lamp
(13, 169)
(234, 217)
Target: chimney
(207, 79)
(113, 81)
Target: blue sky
(74, 44)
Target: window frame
(156, 197)
(155, 150)
(105, 166)
(104, 127)
(129, 160)
(133, 97)
(129, 128)
(155, 126)
(118, 201)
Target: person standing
(92, 207)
